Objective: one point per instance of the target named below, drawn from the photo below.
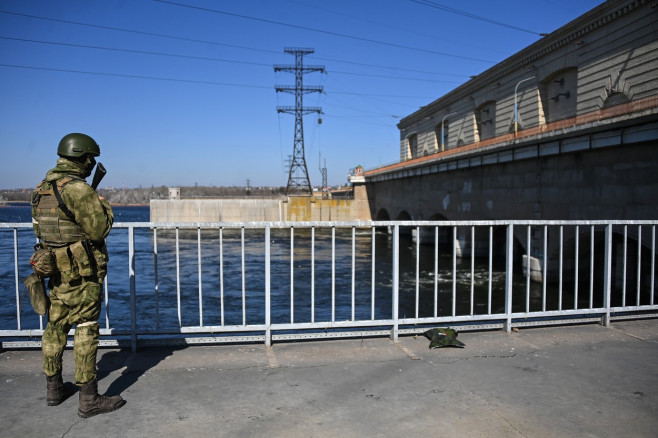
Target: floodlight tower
(298, 181)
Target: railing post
(455, 242)
(180, 319)
(200, 275)
(16, 281)
(639, 265)
(372, 275)
(244, 287)
(417, 300)
(396, 281)
(221, 275)
(353, 304)
(436, 271)
(312, 274)
(268, 309)
(509, 258)
(653, 264)
(133, 297)
(155, 278)
(333, 273)
(106, 300)
(607, 273)
(292, 275)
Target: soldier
(73, 221)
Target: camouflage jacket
(92, 214)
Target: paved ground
(576, 381)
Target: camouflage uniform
(76, 292)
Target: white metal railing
(265, 281)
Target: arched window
(615, 98)
(412, 146)
(442, 142)
(559, 95)
(485, 117)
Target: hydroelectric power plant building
(564, 129)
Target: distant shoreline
(9, 204)
(14, 204)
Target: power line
(138, 32)
(413, 32)
(365, 113)
(119, 75)
(388, 67)
(436, 5)
(205, 58)
(396, 96)
(369, 99)
(359, 122)
(191, 81)
(188, 57)
(194, 40)
(326, 32)
(141, 52)
(370, 75)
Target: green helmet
(77, 145)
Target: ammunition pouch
(37, 291)
(43, 261)
(80, 259)
(84, 258)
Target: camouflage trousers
(78, 303)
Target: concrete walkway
(575, 381)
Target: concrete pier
(544, 382)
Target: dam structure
(563, 130)
(248, 209)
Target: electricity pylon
(325, 184)
(299, 183)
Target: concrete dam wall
(258, 210)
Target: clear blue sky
(181, 92)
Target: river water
(222, 301)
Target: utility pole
(299, 183)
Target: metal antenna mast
(298, 181)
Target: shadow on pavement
(136, 364)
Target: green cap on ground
(443, 337)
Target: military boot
(57, 391)
(91, 403)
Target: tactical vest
(52, 226)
